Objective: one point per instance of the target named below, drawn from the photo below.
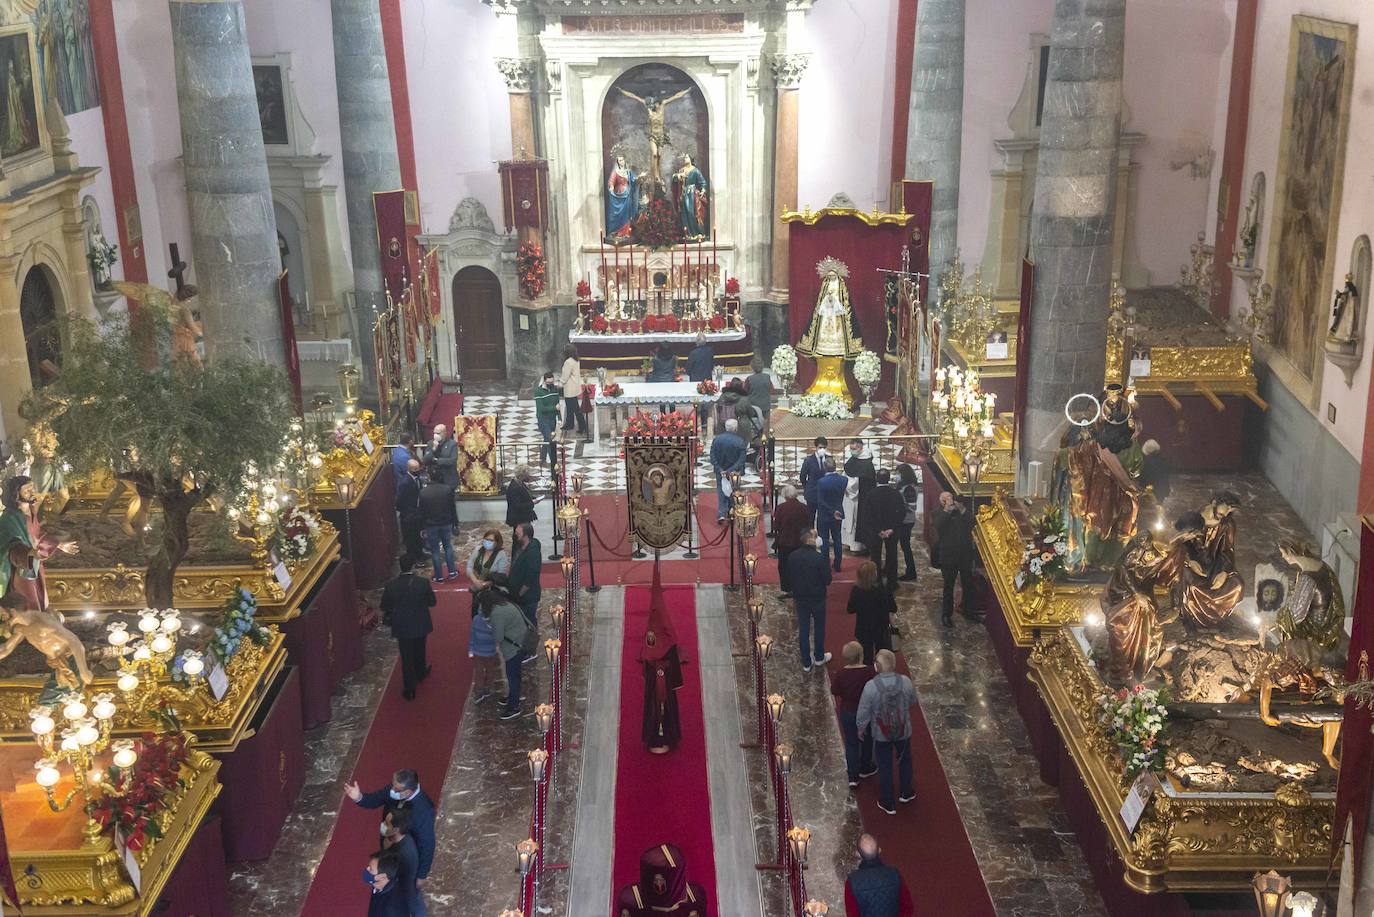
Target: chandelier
(965, 416)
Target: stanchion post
(591, 561)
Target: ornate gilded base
(1186, 840)
(830, 379)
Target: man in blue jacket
(404, 793)
(809, 576)
(830, 490)
(728, 452)
(812, 468)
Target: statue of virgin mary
(832, 337)
(622, 199)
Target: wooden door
(478, 318)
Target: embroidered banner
(390, 210)
(476, 438)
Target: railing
(543, 761)
(792, 840)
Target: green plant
(178, 432)
(1133, 720)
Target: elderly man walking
(885, 713)
(728, 452)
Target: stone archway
(477, 318)
(38, 312)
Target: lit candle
(128, 682)
(124, 754)
(104, 706)
(48, 774)
(41, 721)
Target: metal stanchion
(591, 562)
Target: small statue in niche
(1345, 313)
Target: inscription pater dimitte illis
(681, 23)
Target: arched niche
(1345, 326)
(39, 310)
(291, 245)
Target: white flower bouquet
(868, 369)
(824, 406)
(1133, 720)
(784, 362)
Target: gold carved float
(1207, 370)
(220, 725)
(875, 217)
(120, 587)
(1185, 841)
(1001, 542)
(352, 464)
(998, 471)
(59, 871)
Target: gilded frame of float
(1184, 842)
(120, 588)
(219, 725)
(1000, 545)
(92, 878)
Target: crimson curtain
(1357, 744)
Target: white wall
(845, 117)
(1267, 89)
(459, 106)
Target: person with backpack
(885, 714)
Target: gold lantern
(543, 718)
(1271, 893)
(525, 852)
(756, 611)
(552, 650)
(783, 753)
(799, 840)
(776, 703)
(765, 645)
(539, 762)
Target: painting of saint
(622, 199)
(267, 81)
(19, 110)
(660, 487)
(67, 54)
(1311, 163)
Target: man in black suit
(408, 509)
(406, 602)
(812, 468)
(954, 527)
(404, 793)
(809, 575)
(397, 839)
(443, 456)
(883, 513)
(386, 899)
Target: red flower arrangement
(707, 387)
(529, 267)
(650, 324)
(584, 289)
(599, 324)
(612, 390)
(731, 286)
(674, 425)
(143, 789)
(668, 323)
(657, 225)
(717, 322)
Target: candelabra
(143, 660)
(1117, 316)
(1198, 279)
(85, 733)
(951, 283)
(972, 315)
(965, 417)
(1260, 319)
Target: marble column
(1075, 205)
(229, 194)
(788, 70)
(370, 161)
(519, 76)
(935, 127)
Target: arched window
(42, 340)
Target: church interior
(746, 458)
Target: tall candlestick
(603, 264)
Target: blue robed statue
(689, 196)
(622, 199)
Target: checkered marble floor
(600, 465)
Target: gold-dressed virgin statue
(832, 337)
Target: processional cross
(178, 271)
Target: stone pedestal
(229, 194)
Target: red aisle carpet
(926, 838)
(418, 734)
(611, 547)
(662, 798)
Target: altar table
(625, 353)
(651, 394)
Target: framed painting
(1307, 196)
(269, 81)
(20, 123)
(66, 53)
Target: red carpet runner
(662, 798)
(418, 734)
(926, 838)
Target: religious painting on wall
(271, 91)
(19, 132)
(655, 147)
(1316, 117)
(66, 54)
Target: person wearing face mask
(490, 557)
(548, 397)
(859, 468)
(404, 793)
(406, 602)
(380, 874)
(812, 468)
(519, 501)
(408, 509)
(522, 583)
(395, 831)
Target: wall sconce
(543, 718)
(552, 650)
(756, 611)
(525, 852)
(539, 762)
(1271, 893)
(799, 840)
(765, 645)
(784, 755)
(776, 702)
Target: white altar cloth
(652, 393)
